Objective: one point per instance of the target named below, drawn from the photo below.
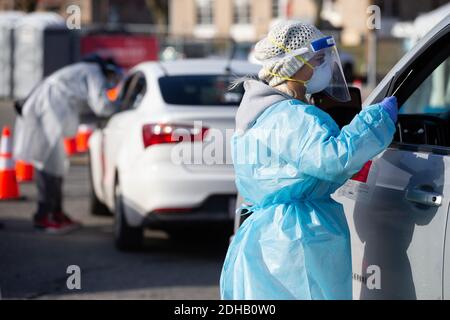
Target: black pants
(50, 196)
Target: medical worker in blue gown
(289, 157)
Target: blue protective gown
(296, 244)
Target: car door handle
(427, 198)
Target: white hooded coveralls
(51, 112)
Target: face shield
(330, 68)
(328, 75)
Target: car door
(115, 131)
(398, 205)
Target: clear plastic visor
(326, 56)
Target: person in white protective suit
(289, 156)
(50, 113)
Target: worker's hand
(390, 105)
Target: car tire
(97, 208)
(126, 237)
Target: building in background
(58, 6)
(203, 28)
(249, 20)
(241, 20)
(40, 41)
(99, 11)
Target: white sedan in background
(135, 169)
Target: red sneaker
(66, 221)
(48, 224)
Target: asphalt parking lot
(33, 265)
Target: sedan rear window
(200, 90)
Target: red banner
(127, 50)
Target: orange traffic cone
(9, 188)
(84, 132)
(70, 145)
(24, 171)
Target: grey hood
(258, 97)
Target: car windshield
(200, 90)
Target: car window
(133, 90)
(423, 90)
(433, 95)
(200, 90)
(124, 88)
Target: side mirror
(341, 112)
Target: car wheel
(126, 237)
(97, 208)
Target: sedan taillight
(153, 134)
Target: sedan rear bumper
(153, 191)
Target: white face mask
(320, 79)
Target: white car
(135, 171)
(397, 207)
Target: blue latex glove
(390, 105)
